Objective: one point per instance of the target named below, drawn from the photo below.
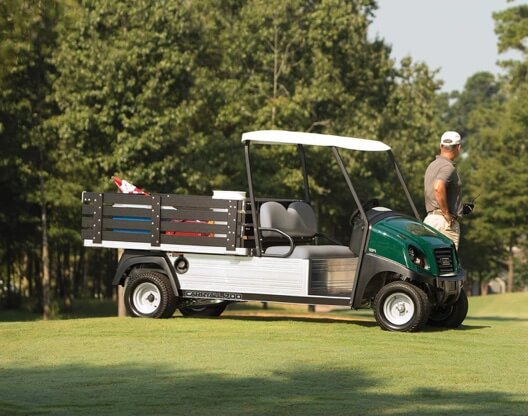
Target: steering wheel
(367, 205)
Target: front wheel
(149, 294)
(450, 316)
(400, 306)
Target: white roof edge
(270, 137)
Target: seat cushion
(312, 252)
(298, 220)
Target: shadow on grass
(152, 390)
(294, 318)
(366, 321)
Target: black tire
(209, 310)
(149, 294)
(450, 316)
(400, 306)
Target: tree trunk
(509, 287)
(76, 271)
(275, 74)
(45, 255)
(84, 289)
(9, 273)
(66, 281)
(121, 310)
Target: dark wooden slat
(192, 201)
(127, 211)
(109, 224)
(193, 227)
(87, 222)
(88, 197)
(204, 215)
(126, 237)
(165, 239)
(87, 209)
(192, 240)
(120, 198)
(118, 236)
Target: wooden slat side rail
(163, 219)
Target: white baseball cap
(450, 138)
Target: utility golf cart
(200, 253)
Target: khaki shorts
(440, 223)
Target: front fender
(373, 265)
(132, 258)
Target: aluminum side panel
(246, 274)
(333, 277)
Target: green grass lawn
(285, 362)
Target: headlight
(416, 256)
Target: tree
(159, 93)
(494, 118)
(29, 37)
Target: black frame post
(363, 215)
(302, 157)
(256, 226)
(402, 182)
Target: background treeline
(159, 92)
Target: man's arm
(440, 191)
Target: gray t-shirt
(444, 169)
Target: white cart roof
(270, 137)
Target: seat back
(298, 220)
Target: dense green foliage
(277, 364)
(160, 93)
(493, 116)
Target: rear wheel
(149, 294)
(450, 316)
(206, 310)
(400, 306)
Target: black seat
(296, 221)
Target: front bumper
(447, 289)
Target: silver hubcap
(146, 298)
(398, 308)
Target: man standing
(442, 189)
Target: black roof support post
(302, 156)
(402, 182)
(363, 215)
(256, 226)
